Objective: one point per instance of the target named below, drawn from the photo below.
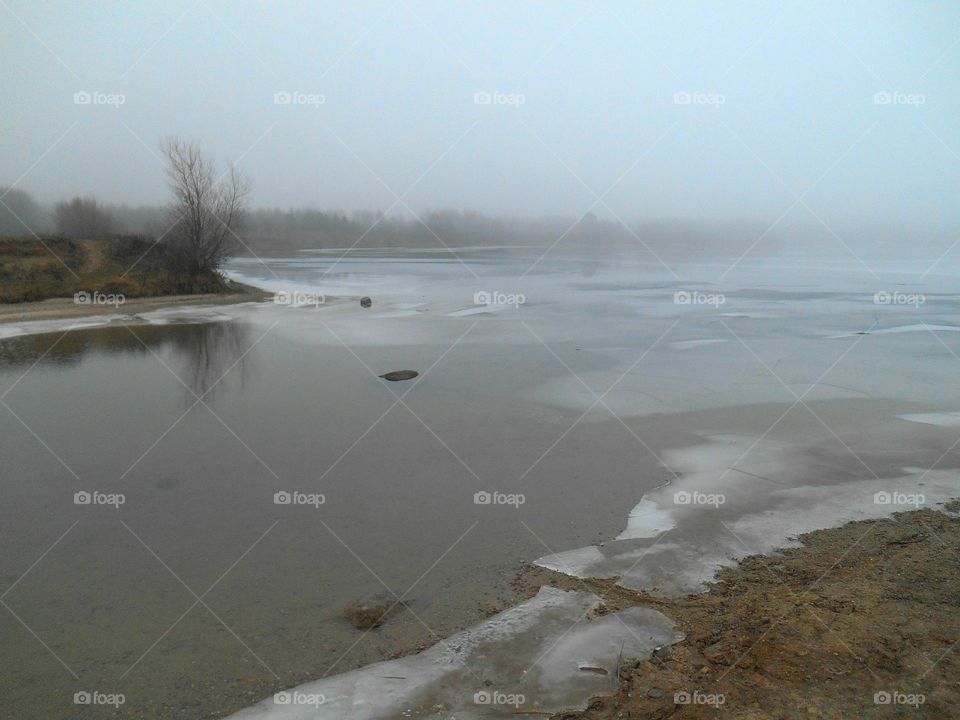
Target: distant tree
(139, 220)
(83, 218)
(207, 209)
(20, 214)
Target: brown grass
(38, 269)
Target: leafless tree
(83, 218)
(208, 209)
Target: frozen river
(605, 418)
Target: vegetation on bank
(207, 210)
(132, 266)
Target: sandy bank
(860, 621)
(56, 308)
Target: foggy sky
(782, 101)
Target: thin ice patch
(529, 659)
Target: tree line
(194, 233)
(209, 218)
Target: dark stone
(396, 375)
(365, 302)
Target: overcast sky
(776, 100)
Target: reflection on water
(505, 408)
(202, 352)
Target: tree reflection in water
(202, 353)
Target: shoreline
(742, 603)
(858, 618)
(60, 308)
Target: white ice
(165, 316)
(539, 657)
(944, 419)
(736, 496)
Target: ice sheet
(944, 419)
(913, 327)
(36, 327)
(689, 344)
(528, 659)
(166, 316)
(736, 496)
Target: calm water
(199, 594)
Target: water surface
(200, 595)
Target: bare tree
(208, 209)
(83, 218)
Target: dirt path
(863, 621)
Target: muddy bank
(860, 621)
(56, 308)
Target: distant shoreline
(58, 308)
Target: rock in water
(372, 612)
(365, 302)
(400, 375)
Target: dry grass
(38, 269)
